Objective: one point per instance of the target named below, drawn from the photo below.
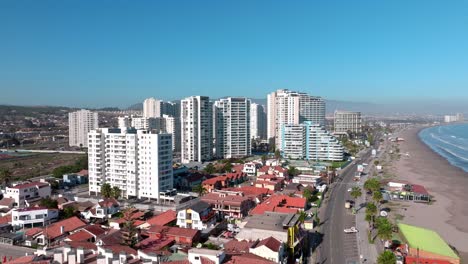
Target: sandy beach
(448, 214)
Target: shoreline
(447, 183)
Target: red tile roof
(248, 258)
(411, 260)
(53, 231)
(251, 190)
(83, 244)
(280, 203)
(419, 189)
(109, 202)
(155, 243)
(173, 231)
(95, 230)
(216, 198)
(81, 235)
(121, 248)
(33, 231)
(113, 236)
(5, 219)
(271, 243)
(264, 169)
(236, 246)
(83, 173)
(163, 219)
(7, 201)
(21, 260)
(30, 184)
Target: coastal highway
(336, 246)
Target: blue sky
(116, 52)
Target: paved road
(338, 247)
(14, 251)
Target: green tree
(387, 257)
(69, 212)
(227, 167)
(377, 197)
(116, 192)
(376, 162)
(264, 158)
(210, 168)
(356, 192)
(371, 209)
(106, 190)
(277, 154)
(5, 176)
(293, 171)
(372, 185)
(49, 203)
(384, 228)
(129, 231)
(307, 193)
(199, 189)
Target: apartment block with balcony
(139, 162)
(33, 217)
(27, 193)
(79, 124)
(347, 122)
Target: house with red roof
(269, 248)
(252, 191)
(27, 193)
(280, 204)
(229, 203)
(183, 236)
(279, 171)
(166, 218)
(103, 210)
(89, 233)
(224, 181)
(248, 258)
(54, 233)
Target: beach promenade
(448, 213)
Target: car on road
(351, 230)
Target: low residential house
(27, 193)
(198, 216)
(229, 180)
(73, 179)
(90, 233)
(55, 233)
(168, 217)
(189, 180)
(280, 204)
(204, 255)
(269, 181)
(182, 236)
(103, 210)
(5, 223)
(251, 191)
(33, 217)
(248, 258)
(269, 248)
(136, 216)
(285, 228)
(229, 203)
(308, 180)
(279, 171)
(250, 168)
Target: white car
(351, 230)
(350, 189)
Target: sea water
(451, 142)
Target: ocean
(451, 142)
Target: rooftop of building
(427, 240)
(272, 221)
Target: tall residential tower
(79, 124)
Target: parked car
(351, 230)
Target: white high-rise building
(152, 107)
(291, 108)
(171, 125)
(257, 121)
(232, 126)
(196, 129)
(79, 124)
(139, 122)
(310, 141)
(139, 162)
(346, 121)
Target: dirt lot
(26, 166)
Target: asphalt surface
(337, 246)
(14, 251)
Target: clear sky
(117, 52)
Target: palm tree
(106, 190)
(377, 197)
(372, 185)
(200, 190)
(384, 228)
(356, 192)
(371, 209)
(116, 192)
(387, 257)
(5, 176)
